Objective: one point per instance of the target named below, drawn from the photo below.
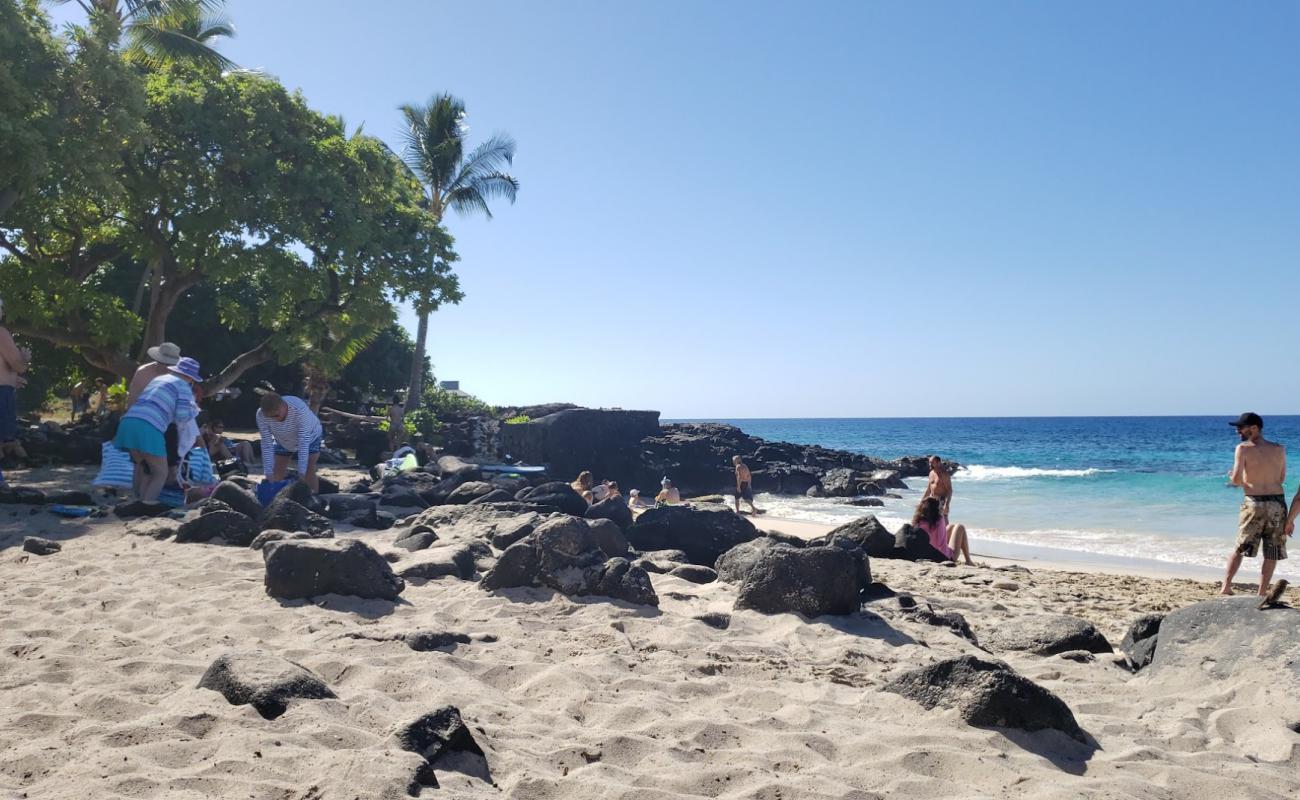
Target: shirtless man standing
(1259, 468)
(940, 485)
(14, 361)
(744, 484)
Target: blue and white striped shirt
(296, 433)
(165, 400)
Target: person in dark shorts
(744, 485)
(1259, 468)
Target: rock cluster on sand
(702, 534)
(811, 581)
(307, 568)
(1045, 635)
(566, 555)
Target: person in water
(950, 540)
(744, 484)
(1259, 468)
(940, 485)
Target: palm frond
(433, 139)
(468, 200)
(176, 30)
(491, 157)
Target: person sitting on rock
(611, 491)
(582, 485)
(635, 502)
(222, 449)
(950, 540)
(289, 429)
(668, 494)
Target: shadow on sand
(1065, 752)
(868, 625)
(347, 604)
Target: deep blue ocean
(1146, 487)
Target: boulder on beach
(40, 547)
(557, 495)
(703, 534)
(435, 735)
(226, 525)
(1218, 637)
(237, 498)
(265, 681)
(1044, 635)
(470, 491)
(286, 514)
(694, 573)
(610, 538)
(734, 565)
(811, 581)
(614, 509)
(266, 537)
(461, 560)
(868, 533)
(301, 569)
(564, 553)
(987, 694)
(456, 467)
(913, 544)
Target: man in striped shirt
(289, 429)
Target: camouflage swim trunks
(1263, 519)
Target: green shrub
(448, 405)
(522, 419)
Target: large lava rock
(502, 525)
(433, 736)
(557, 495)
(238, 498)
(565, 554)
(287, 514)
(1215, 637)
(264, 681)
(735, 565)
(987, 694)
(570, 440)
(1045, 635)
(811, 581)
(913, 544)
(703, 535)
(867, 533)
(228, 525)
(299, 569)
(614, 509)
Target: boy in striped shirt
(289, 429)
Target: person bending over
(165, 401)
(289, 430)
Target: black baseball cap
(1248, 418)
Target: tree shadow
(369, 608)
(16, 525)
(1064, 752)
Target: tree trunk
(315, 386)
(416, 388)
(242, 363)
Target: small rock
(41, 547)
(433, 736)
(694, 573)
(715, 619)
(423, 641)
(1081, 656)
(1008, 586)
(228, 525)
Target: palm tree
(157, 31)
(434, 149)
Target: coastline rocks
(565, 554)
(494, 496)
(264, 681)
(557, 495)
(459, 469)
(338, 506)
(433, 736)
(735, 564)
(811, 581)
(703, 535)
(1045, 635)
(505, 523)
(470, 491)
(40, 547)
(300, 569)
(661, 561)
(237, 498)
(1213, 637)
(614, 509)
(987, 694)
(840, 482)
(610, 538)
(228, 525)
(266, 537)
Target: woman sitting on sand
(582, 485)
(947, 539)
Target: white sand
(104, 642)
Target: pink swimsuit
(938, 533)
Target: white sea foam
(980, 472)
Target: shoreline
(996, 553)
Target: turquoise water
(1148, 487)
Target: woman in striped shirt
(166, 400)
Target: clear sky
(746, 209)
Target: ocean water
(1134, 487)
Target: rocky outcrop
(568, 441)
(614, 509)
(987, 694)
(301, 569)
(1044, 635)
(565, 554)
(556, 495)
(703, 534)
(811, 581)
(866, 532)
(226, 525)
(266, 682)
(734, 565)
(237, 498)
(287, 514)
(1216, 637)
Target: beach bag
(267, 490)
(196, 469)
(116, 470)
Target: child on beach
(950, 540)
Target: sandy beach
(104, 644)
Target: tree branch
(242, 363)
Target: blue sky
(748, 209)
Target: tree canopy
(143, 189)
